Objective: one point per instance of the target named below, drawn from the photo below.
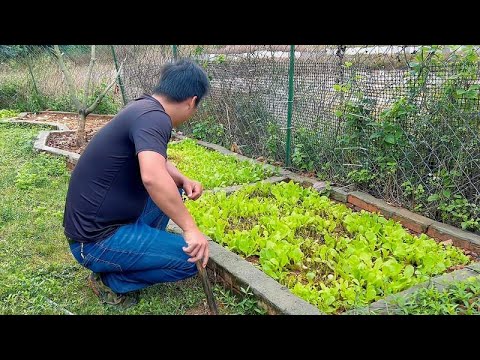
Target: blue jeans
(137, 255)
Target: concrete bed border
(235, 272)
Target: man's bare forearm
(164, 193)
(176, 175)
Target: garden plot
(323, 251)
(214, 169)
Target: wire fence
(400, 122)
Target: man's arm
(176, 175)
(163, 190)
(192, 188)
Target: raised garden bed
(65, 140)
(214, 169)
(324, 252)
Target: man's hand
(197, 246)
(193, 189)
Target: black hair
(181, 80)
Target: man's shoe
(108, 296)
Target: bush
(18, 96)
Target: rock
(320, 186)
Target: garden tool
(202, 272)
(204, 277)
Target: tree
(84, 109)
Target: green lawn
(38, 275)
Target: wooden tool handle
(207, 288)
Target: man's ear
(192, 101)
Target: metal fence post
(120, 83)
(290, 103)
(175, 51)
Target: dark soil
(66, 141)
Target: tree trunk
(81, 138)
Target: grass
(212, 168)
(4, 113)
(38, 274)
(460, 298)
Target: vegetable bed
(324, 252)
(214, 169)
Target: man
(123, 191)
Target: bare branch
(89, 74)
(68, 78)
(100, 97)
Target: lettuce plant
(214, 169)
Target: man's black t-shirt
(106, 189)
